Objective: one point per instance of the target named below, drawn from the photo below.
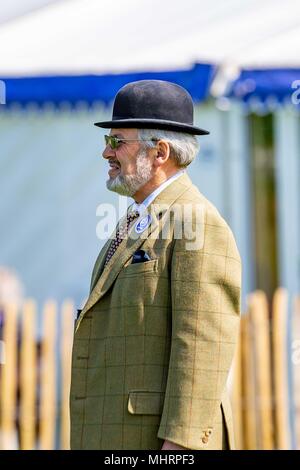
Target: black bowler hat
(153, 104)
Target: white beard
(128, 185)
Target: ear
(162, 153)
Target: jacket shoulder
(216, 229)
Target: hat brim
(151, 124)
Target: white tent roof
(92, 36)
(14, 8)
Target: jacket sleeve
(205, 289)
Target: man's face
(130, 164)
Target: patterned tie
(121, 233)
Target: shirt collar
(140, 208)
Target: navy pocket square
(140, 256)
(79, 310)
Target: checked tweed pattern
(153, 349)
(121, 234)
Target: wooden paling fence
(35, 375)
(268, 354)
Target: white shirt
(143, 205)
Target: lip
(113, 171)
(114, 164)
(114, 167)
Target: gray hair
(183, 147)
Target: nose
(108, 152)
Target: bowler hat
(153, 104)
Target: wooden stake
(236, 396)
(66, 356)
(9, 377)
(296, 364)
(48, 379)
(28, 375)
(280, 355)
(262, 355)
(248, 384)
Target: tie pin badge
(142, 224)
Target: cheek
(131, 168)
(127, 157)
(128, 166)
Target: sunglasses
(115, 142)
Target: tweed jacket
(155, 340)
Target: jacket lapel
(99, 265)
(157, 209)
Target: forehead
(124, 133)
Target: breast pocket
(136, 284)
(139, 268)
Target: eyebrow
(120, 136)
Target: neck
(153, 184)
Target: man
(154, 342)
